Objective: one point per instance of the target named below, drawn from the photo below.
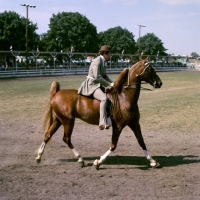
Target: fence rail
(63, 72)
(13, 64)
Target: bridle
(138, 85)
(116, 110)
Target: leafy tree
(13, 32)
(151, 45)
(69, 29)
(194, 54)
(119, 39)
(43, 43)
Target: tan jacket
(96, 77)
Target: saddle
(109, 103)
(113, 107)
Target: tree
(119, 39)
(194, 54)
(13, 32)
(151, 45)
(43, 43)
(69, 29)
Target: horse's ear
(140, 56)
(146, 59)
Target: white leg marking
(147, 154)
(103, 158)
(40, 151)
(97, 162)
(152, 161)
(76, 153)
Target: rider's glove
(112, 84)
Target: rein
(134, 85)
(116, 109)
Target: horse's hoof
(157, 165)
(97, 167)
(38, 160)
(96, 164)
(82, 163)
(154, 164)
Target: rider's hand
(112, 84)
(108, 89)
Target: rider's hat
(105, 48)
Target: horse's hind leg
(48, 134)
(68, 128)
(135, 127)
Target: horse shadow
(141, 162)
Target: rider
(96, 78)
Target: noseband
(147, 65)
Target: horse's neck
(128, 91)
(128, 97)
(131, 94)
(124, 99)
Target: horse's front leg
(97, 162)
(135, 127)
(115, 137)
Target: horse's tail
(48, 118)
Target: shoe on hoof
(154, 164)
(96, 164)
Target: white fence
(64, 72)
(68, 63)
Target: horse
(64, 105)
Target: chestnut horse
(65, 105)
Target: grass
(176, 106)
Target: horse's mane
(120, 80)
(116, 110)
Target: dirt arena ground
(125, 175)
